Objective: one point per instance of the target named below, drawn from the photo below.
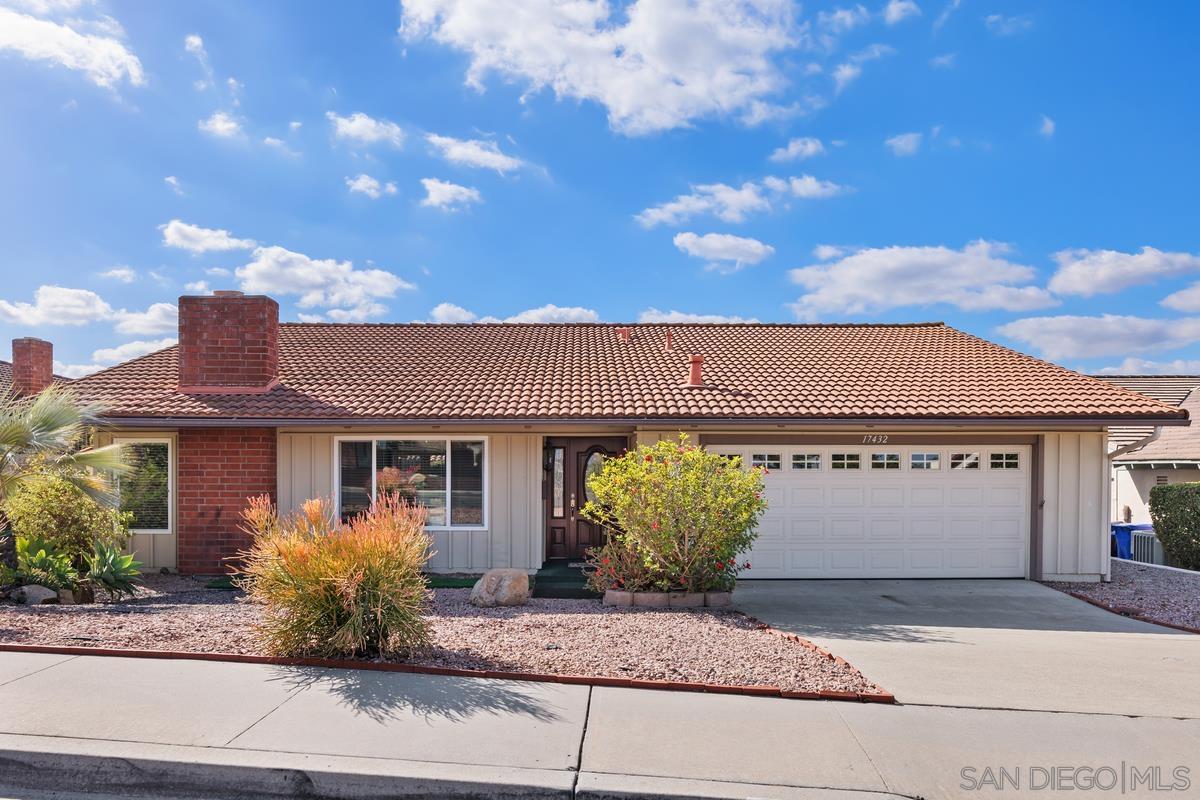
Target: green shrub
(617, 565)
(686, 513)
(332, 589)
(112, 571)
(38, 562)
(54, 510)
(1175, 512)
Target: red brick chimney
(32, 365)
(695, 371)
(228, 343)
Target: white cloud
(124, 352)
(842, 20)
(195, 239)
(104, 60)
(1185, 299)
(1008, 26)
(450, 313)
(825, 252)
(365, 184)
(280, 145)
(799, 149)
(947, 12)
(221, 125)
(733, 204)
(976, 278)
(295, 125)
(157, 319)
(851, 70)
(1069, 336)
(75, 370)
(904, 144)
(364, 130)
(1047, 127)
(122, 274)
(724, 252)
(945, 61)
(553, 313)
(1091, 272)
(218, 272)
(196, 287)
(338, 286)
(448, 196)
(57, 305)
(900, 10)
(653, 316)
(474, 153)
(173, 183)
(194, 45)
(653, 64)
(1141, 366)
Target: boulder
(34, 595)
(501, 587)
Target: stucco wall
(1132, 488)
(1075, 517)
(514, 533)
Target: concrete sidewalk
(183, 729)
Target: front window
(145, 491)
(446, 476)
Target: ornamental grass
(334, 589)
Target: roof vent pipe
(668, 343)
(695, 370)
(623, 334)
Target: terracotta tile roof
(5, 377)
(585, 371)
(1170, 389)
(1172, 444)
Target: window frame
(924, 461)
(845, 464)
(966, 463)
(807, 463)
(1005, 466)
(169, 441)
(766, 459)
(890, 461)
(412, 437)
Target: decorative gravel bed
(568, 637)
(1162, 595)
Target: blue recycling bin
(1122, 533)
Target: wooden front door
(568, 462)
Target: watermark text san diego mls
(1123, 778)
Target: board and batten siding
(514, 533)
(156, 551)
(1075, 514)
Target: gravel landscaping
(1161, 595)
(569, 637)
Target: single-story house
(894, 451)
(1143, 457)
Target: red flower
(654, 526)
(649, 457)
(720, 565)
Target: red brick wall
(228, 340)
(33, 365)
(218, 469)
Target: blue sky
(1023, 171)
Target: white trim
(170, 443)
(413, 437)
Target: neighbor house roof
(1173, 444)
(1170, 389)
(586, 371)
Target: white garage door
(916, 511)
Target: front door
(568, 463)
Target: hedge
(1175, 512)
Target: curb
(1131, 613)
(534, 677)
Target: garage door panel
(894, 523)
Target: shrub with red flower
(677, 515)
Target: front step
(558, 578)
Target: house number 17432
(875, 438)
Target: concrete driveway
(989, 644)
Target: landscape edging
(1131, 613)
(534, 677)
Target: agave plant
(112, 571)
(43, 436)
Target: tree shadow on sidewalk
(384, 696)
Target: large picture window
(446, 476)
(145, 490)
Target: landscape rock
(501, 587)
(34, 595)
(66, 597)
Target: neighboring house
(1171, 457)
(894, 451)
